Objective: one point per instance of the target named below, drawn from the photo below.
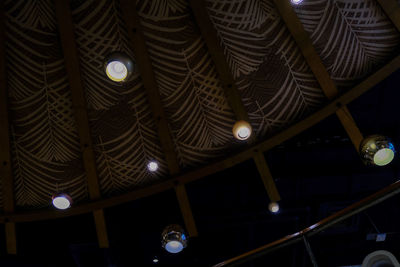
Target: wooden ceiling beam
(72, 64)
(228, 84)
(229, 161)
(6, 174)
(143, 61)
(392, 10)
(328, 86)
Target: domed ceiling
(275, 83)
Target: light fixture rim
(62, 195)
(124, 59)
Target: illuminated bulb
(296, 2)
(155, 260)
(377, 150)
(118, 67)
(174, 247)
(62, 201)
(273, 207)
(116, 71)
(241, 130)
(383, 157)
(152, 166)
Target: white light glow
(296, 2)
(273, 207)
(61, 202)
(155, 260)
(152, 166)
(174, 247)
(244, 132)
(383, 156)
(116, 71)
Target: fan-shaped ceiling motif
(276, 85)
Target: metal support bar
(309, 251)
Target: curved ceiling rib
(230, 161)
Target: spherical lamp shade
(62, 201)
(174, 239)
(273, 207)
(118, 67)
(241, 130)
(377, 150)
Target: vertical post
(5, 155)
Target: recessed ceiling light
(118, 67)
(62, 201)
(241, 130)
(174, 239)
(152, 166)
(377, 150)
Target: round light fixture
(377, 150)
(118, 67)
(62, 201)
(296, 2)
(273, 207)
(241, 130)
(152, 166)
(174, 239)
(155, 260)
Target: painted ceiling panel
(45, 146)
(276, 84)
(198, 113)
(122, 125)
(353, 38)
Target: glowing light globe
(61, 201)
(377, 150)
(174, 239)
(152, 166)
(273, 207)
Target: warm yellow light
(273, 207)
(116, 71)
(241, 130)
(383, 156)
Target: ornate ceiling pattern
(353, 38)
(277, 87)
(276, 84)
